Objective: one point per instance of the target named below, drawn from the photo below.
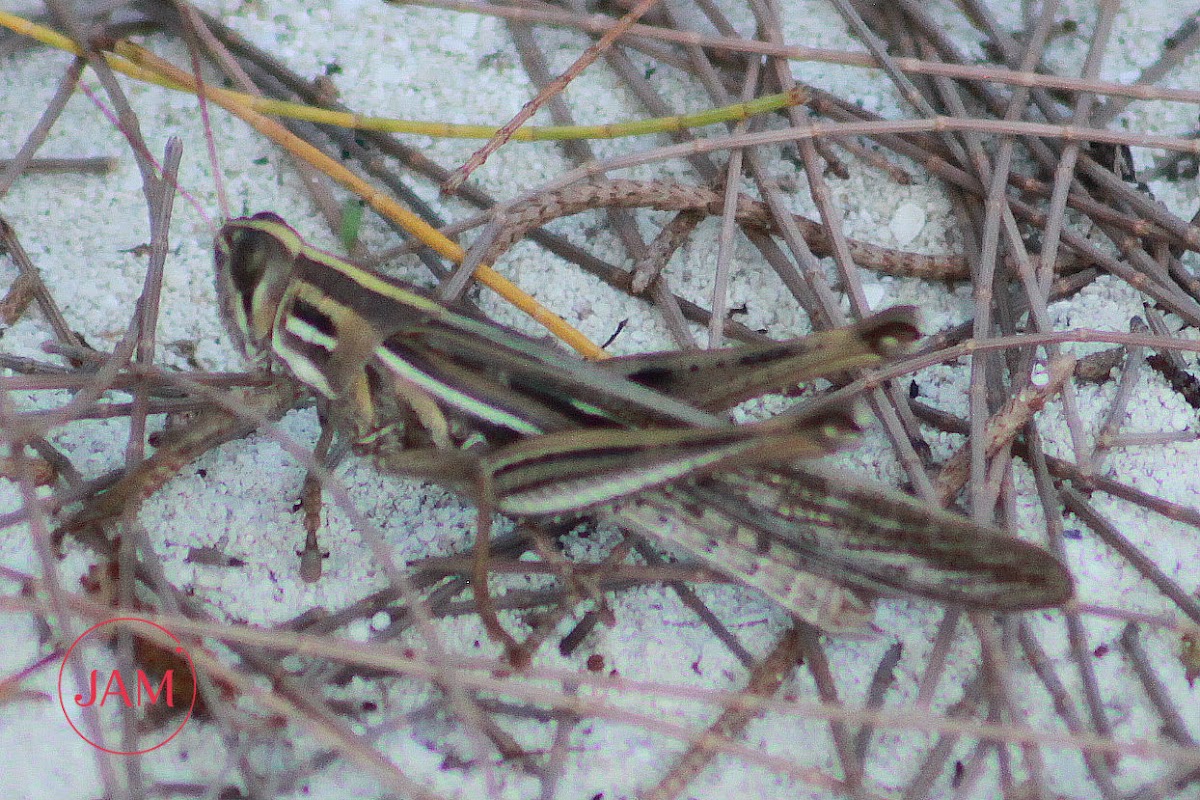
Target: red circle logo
(164, 681)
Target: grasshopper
(434, 392)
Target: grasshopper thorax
(255, 257)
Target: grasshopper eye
(245, 267)
(242, 258)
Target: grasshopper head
(254, 260)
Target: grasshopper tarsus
(312, 559)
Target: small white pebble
(465, 30)
(359, 630)
(381, 621)
(874, 294)
(907, 223)
(1039, 376)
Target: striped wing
(881, 540)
